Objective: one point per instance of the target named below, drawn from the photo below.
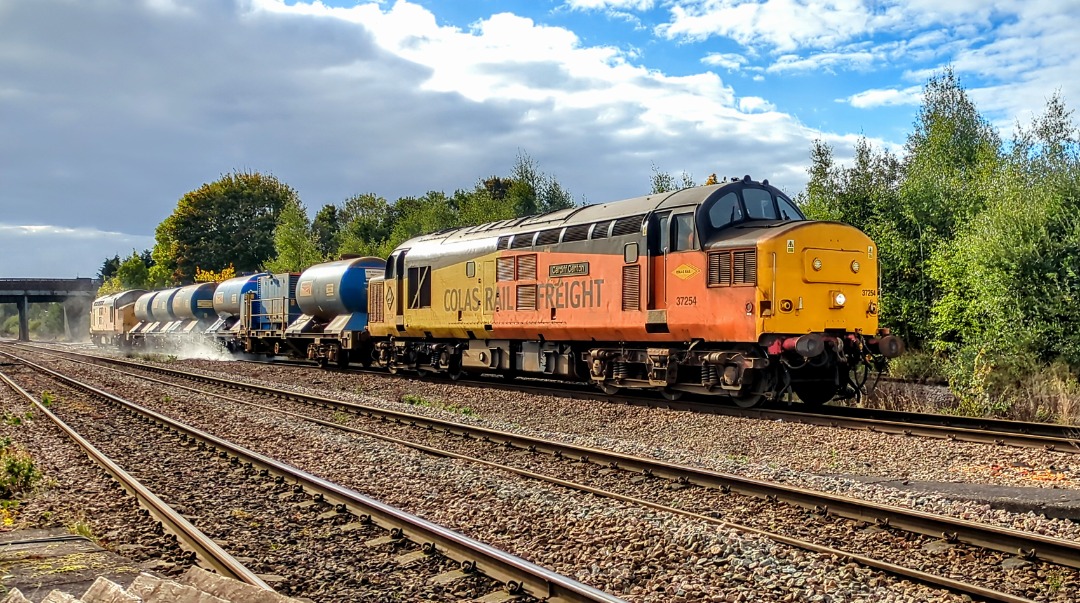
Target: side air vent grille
(548, 237)
(526, 267)
(526, 297)
(631, 287)
(504, 269)
(728, 268)
(376, 303)
(576, 233)
(627, 226)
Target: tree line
(248, 222)
(979, 242)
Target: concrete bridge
(76, 294)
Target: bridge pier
(24, 321)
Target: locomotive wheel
(422, 372)
(454, 370)
(814, 393)
(607, 388)
(746, 400)
(671, 395)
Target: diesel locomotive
(724, 289)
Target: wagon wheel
(422, 372)
(343, 359)
(671, 395)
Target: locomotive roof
(575, 215)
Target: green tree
(108, 267)
(326, 228)
(296, 246)
(664, 182)
(532, 191)
(366, 222)
(951, 156)
(228, 221)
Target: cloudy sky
(110, 110)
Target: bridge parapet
(25, 291)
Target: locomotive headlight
(817, 263)
(855, 265)
(840, 300)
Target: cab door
(658, 244)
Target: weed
(462, 410)
(46, 399)
(166, 399)
(80, 527)
(19, 473)
(340, 417)
(12, 419)
(415, 400)
(1055, 579)
(240, 514)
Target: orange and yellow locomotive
(723, 289)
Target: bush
(19, 473)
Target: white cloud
(885, 97)
(726, 60)
(824, 61)
(755, 104)
(785, 25)
(618, 5)
(118, 112)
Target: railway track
(1031, 546)
(519, 578)
(208, 553)
(1000, 432)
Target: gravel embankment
(298, 545)
(812, 456)
(76, 494)
(633, 552)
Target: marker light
(855, 265)
(817, 263)
(840, 299)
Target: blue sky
(111, 110)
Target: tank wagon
(725, 289)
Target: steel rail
(190, 537)
(981, 430)
(935, 580)
(997, 432)
(520, 576)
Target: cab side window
(725, 211)
(684, 232)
